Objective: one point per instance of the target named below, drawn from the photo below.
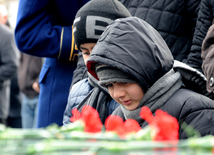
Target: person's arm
(8, 55)
(44, 28)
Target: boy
(90, 21)
(134, 63)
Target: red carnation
(90, 117)
(76, 115)
(116, 124)
(131, 125)
(166, 127)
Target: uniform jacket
(174, 20)
(8, 67)
(78, 92)
(204, 21)
(44, 29)
(147, 59)
(207, 55)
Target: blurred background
(12, 8)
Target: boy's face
(127, 94)
(86, 50)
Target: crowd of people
(19, 80)
(116, 56)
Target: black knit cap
(108, 74)
(92, 19)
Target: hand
(36, 87)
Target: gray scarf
(157, 95)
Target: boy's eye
(86, 53)
(109, 85)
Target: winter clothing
(80, 95)
(136, 48)
(174, 20)
(80, 72)
(207, 54)
(8, 67)
(109, 75)
(204, 21)
(99, 99)
(44, 29)
(78, 92)
(92, 19)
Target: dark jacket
(44, 29)
(28, 73)
(208, 55)
(190, 107)
(134, 47)
(174, 20)
(78, 92)
(15, 99)
(204, 21)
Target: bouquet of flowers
(162, 126)
(88, 136)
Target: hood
(135, 47)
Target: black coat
(174, 20)
(190, 107)
(134, 47)
(204, 21)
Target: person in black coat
(204, 21)
(133, 61)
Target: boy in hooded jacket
(90, 21)
(134, 63)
